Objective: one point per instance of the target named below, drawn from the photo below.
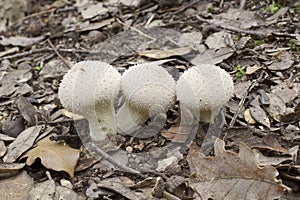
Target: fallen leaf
(119, 187)
(10, 81)
(170, 133)
(20, 41)
(270, 160)
(10, 169)
(93, 10)
(22, 143)
(161, 54)
(251, 70)
(27, 110)
(212, 56)
(260, 115)
(282, 61)
(229, 175)
(219, 40)
(16, 187)
(2, 149)
(53, 155)
(248, 117)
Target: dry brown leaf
(161, 54)
(53, 155)
(22, 143)
(170, 133)
(229, 175)
(248, 117)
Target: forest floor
(44, 153)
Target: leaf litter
(264, 114)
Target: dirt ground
(46, 154)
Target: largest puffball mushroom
(90, 89)
(148, 89)
(204, 89)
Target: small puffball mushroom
(204, 89)
(148, 89)
(90, 89)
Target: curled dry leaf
(53, 155)
(229, 175)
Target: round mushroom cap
(204, 89)
(148, 88)
(87, 84)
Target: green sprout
(209, 9)
(259, 42)
(38, 68)
(292, 44)
(274, 7)
(238, 37)
(239, 71)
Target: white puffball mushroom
(204, 89)
(90, 89)
(148, 89)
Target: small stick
(58, 54)
(135, 29)
(110, 159)
(183, 8)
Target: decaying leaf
(229, 175)
(53, 155)
(22, 143)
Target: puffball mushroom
(90, 89)
(204, 89)
(148, 89)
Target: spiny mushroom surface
(204, 89)
(90, 89)
(148, 89)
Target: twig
(110, 159)
(58, 54)
(230, 28)
(183, 8)
(135, 29)
(241, 103)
